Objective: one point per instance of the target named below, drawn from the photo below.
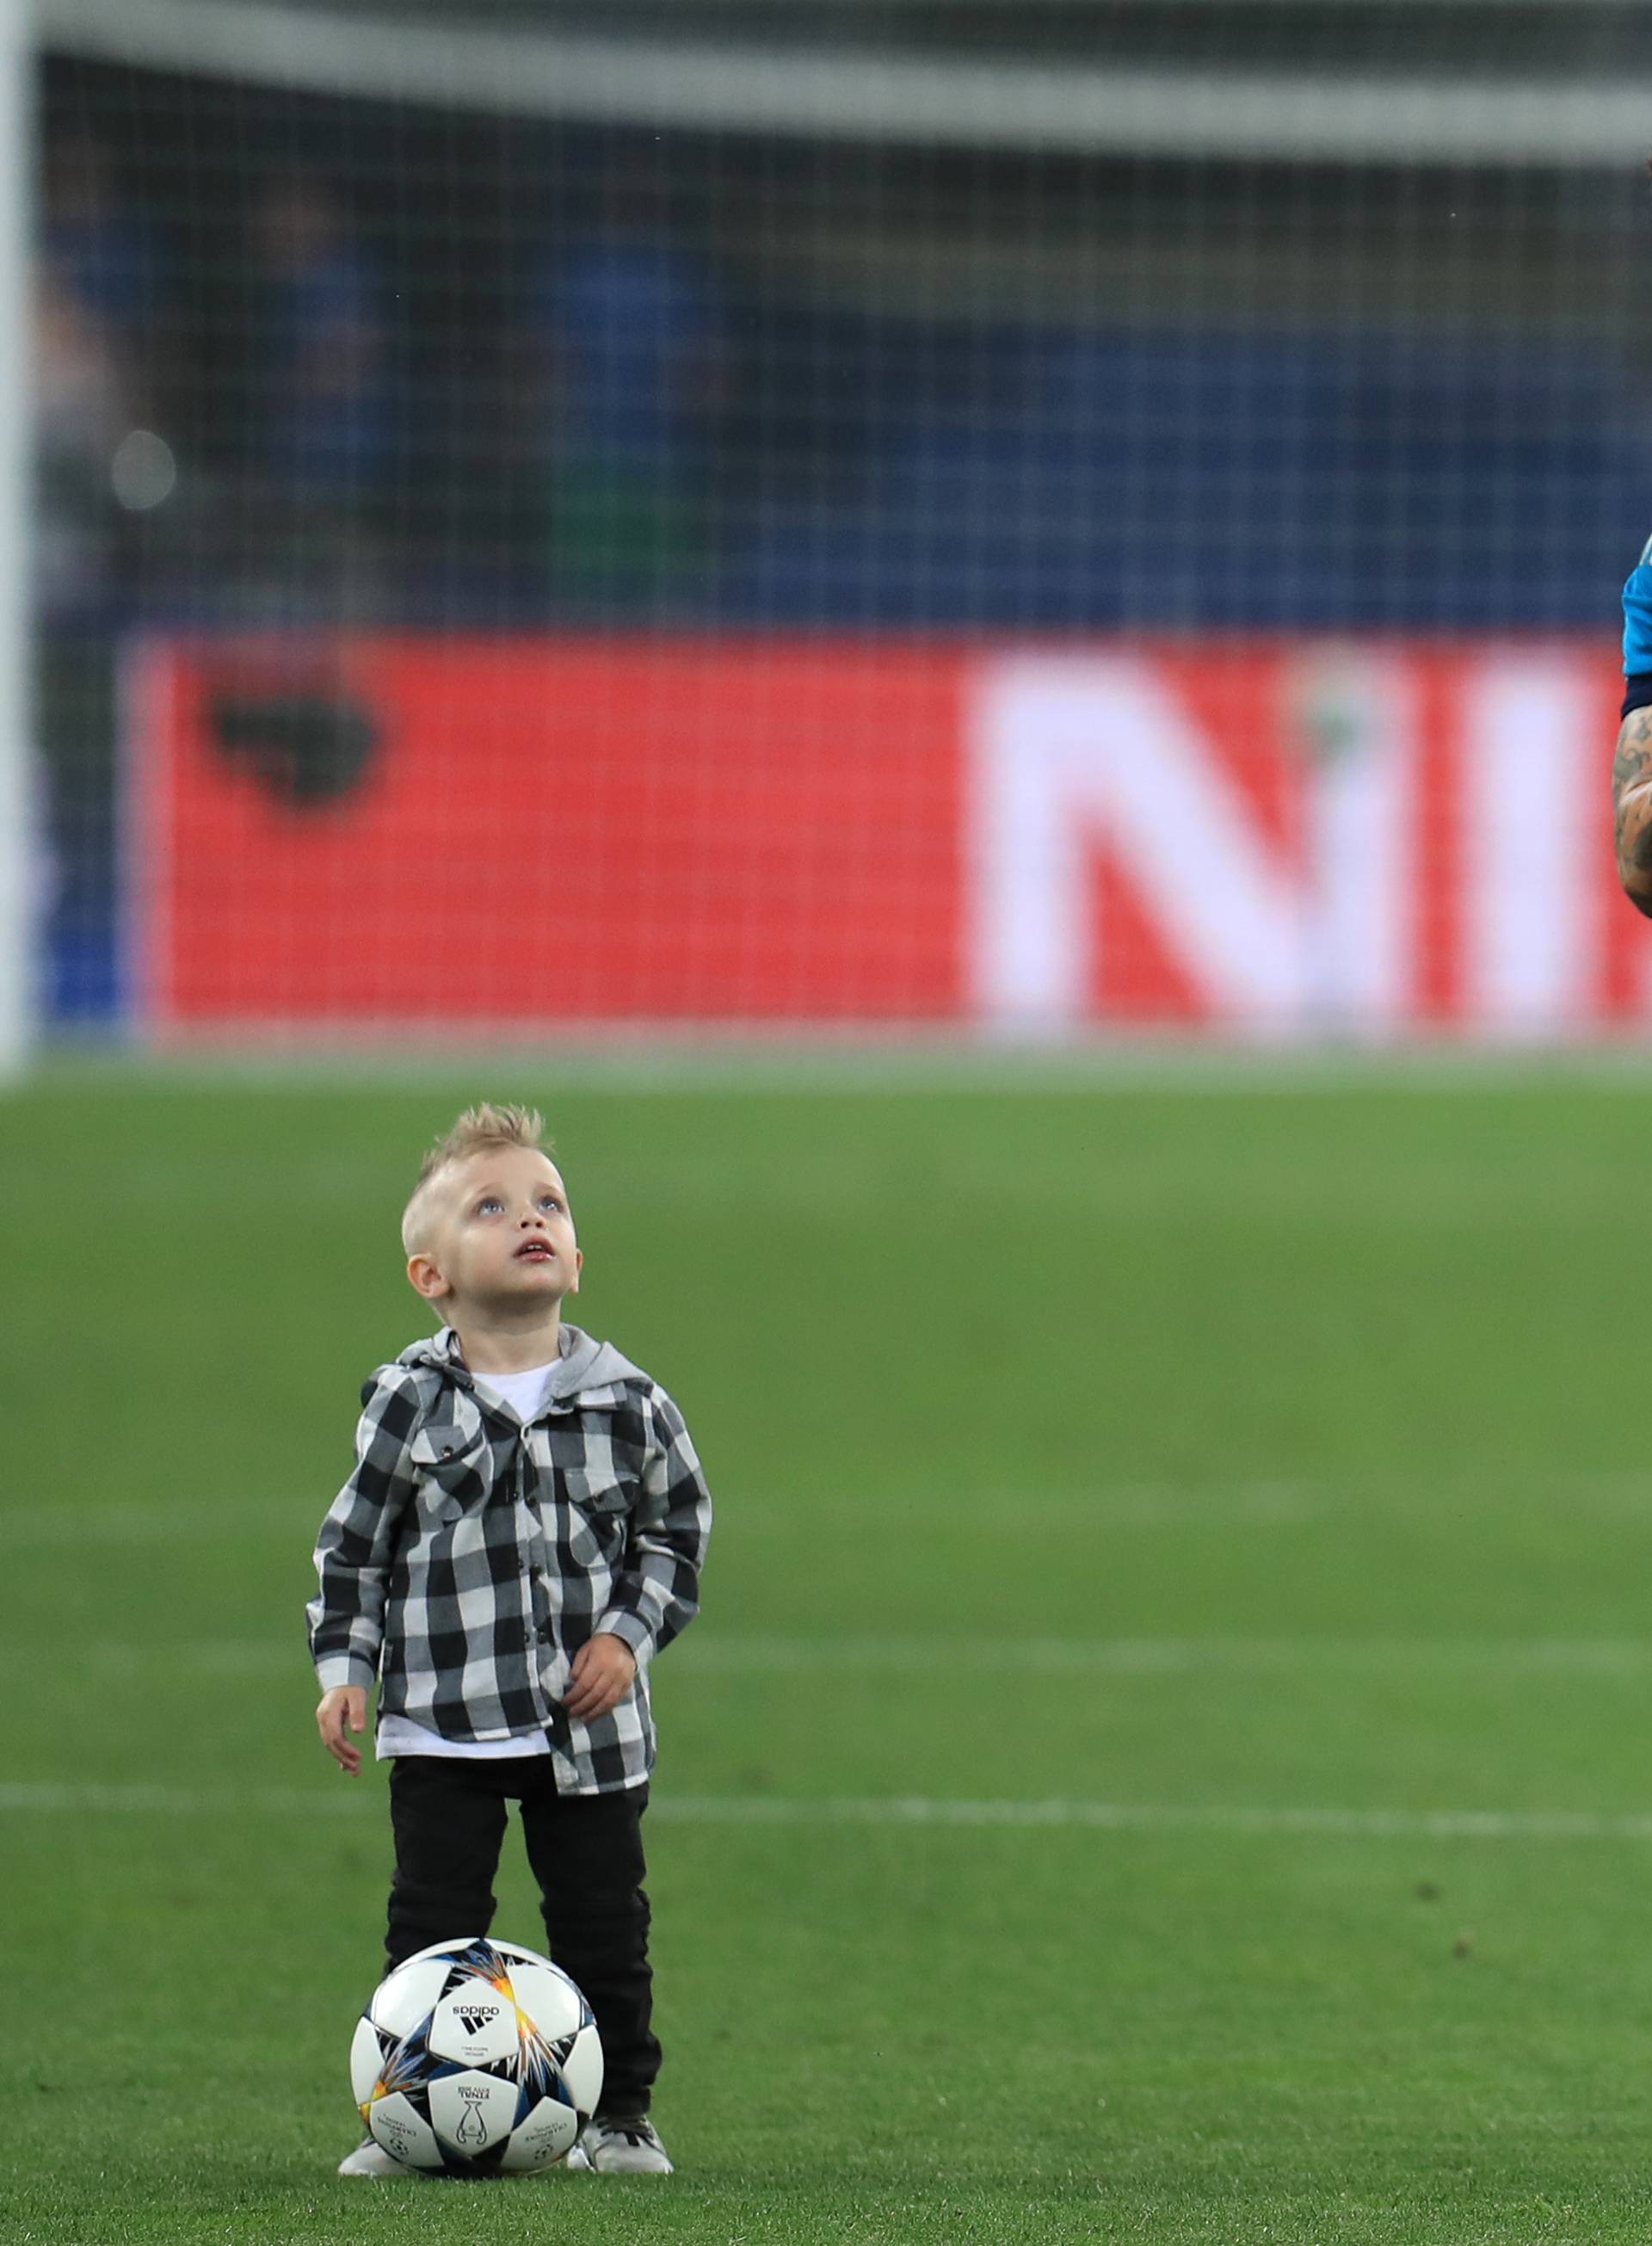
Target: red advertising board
(1284, 838)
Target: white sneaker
(621, 2144)
(369, 2157)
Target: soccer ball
(477, 2057)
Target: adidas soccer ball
(478, 2056)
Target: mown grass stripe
(1262, 1504)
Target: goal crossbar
(1290, 117)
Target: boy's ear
(579, 1265)
(424, 1278)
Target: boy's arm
(658, 1592)
(358, 1538)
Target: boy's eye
(488, 1201)
(549, 1200)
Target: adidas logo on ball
(474, 2017)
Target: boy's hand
(345, 1704)
(604, 1671)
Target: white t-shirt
(523, 1391)
(398, 1735)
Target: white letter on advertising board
(1071, 753)
(1533, 804)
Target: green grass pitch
(1165, 1752)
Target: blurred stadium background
(920, 516)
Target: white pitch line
(850, 1064)
(960, 1657)
(1237, 1819)
(1145, 1817)
(952, 1657)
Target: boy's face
(499, 1235)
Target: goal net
(1042, 520)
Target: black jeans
(449, 1816)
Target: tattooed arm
(1631, 808)
(1632, 767)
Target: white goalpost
(20, 867)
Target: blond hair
(478, 1131)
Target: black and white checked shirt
(469, 1557)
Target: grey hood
(587, 1366)
(587, 1370)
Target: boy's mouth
(535, 1251)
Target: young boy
(523, 1531)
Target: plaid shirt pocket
(453, 1443)
(453, 1469)
(602, 1488)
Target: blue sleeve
(1637, 616)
